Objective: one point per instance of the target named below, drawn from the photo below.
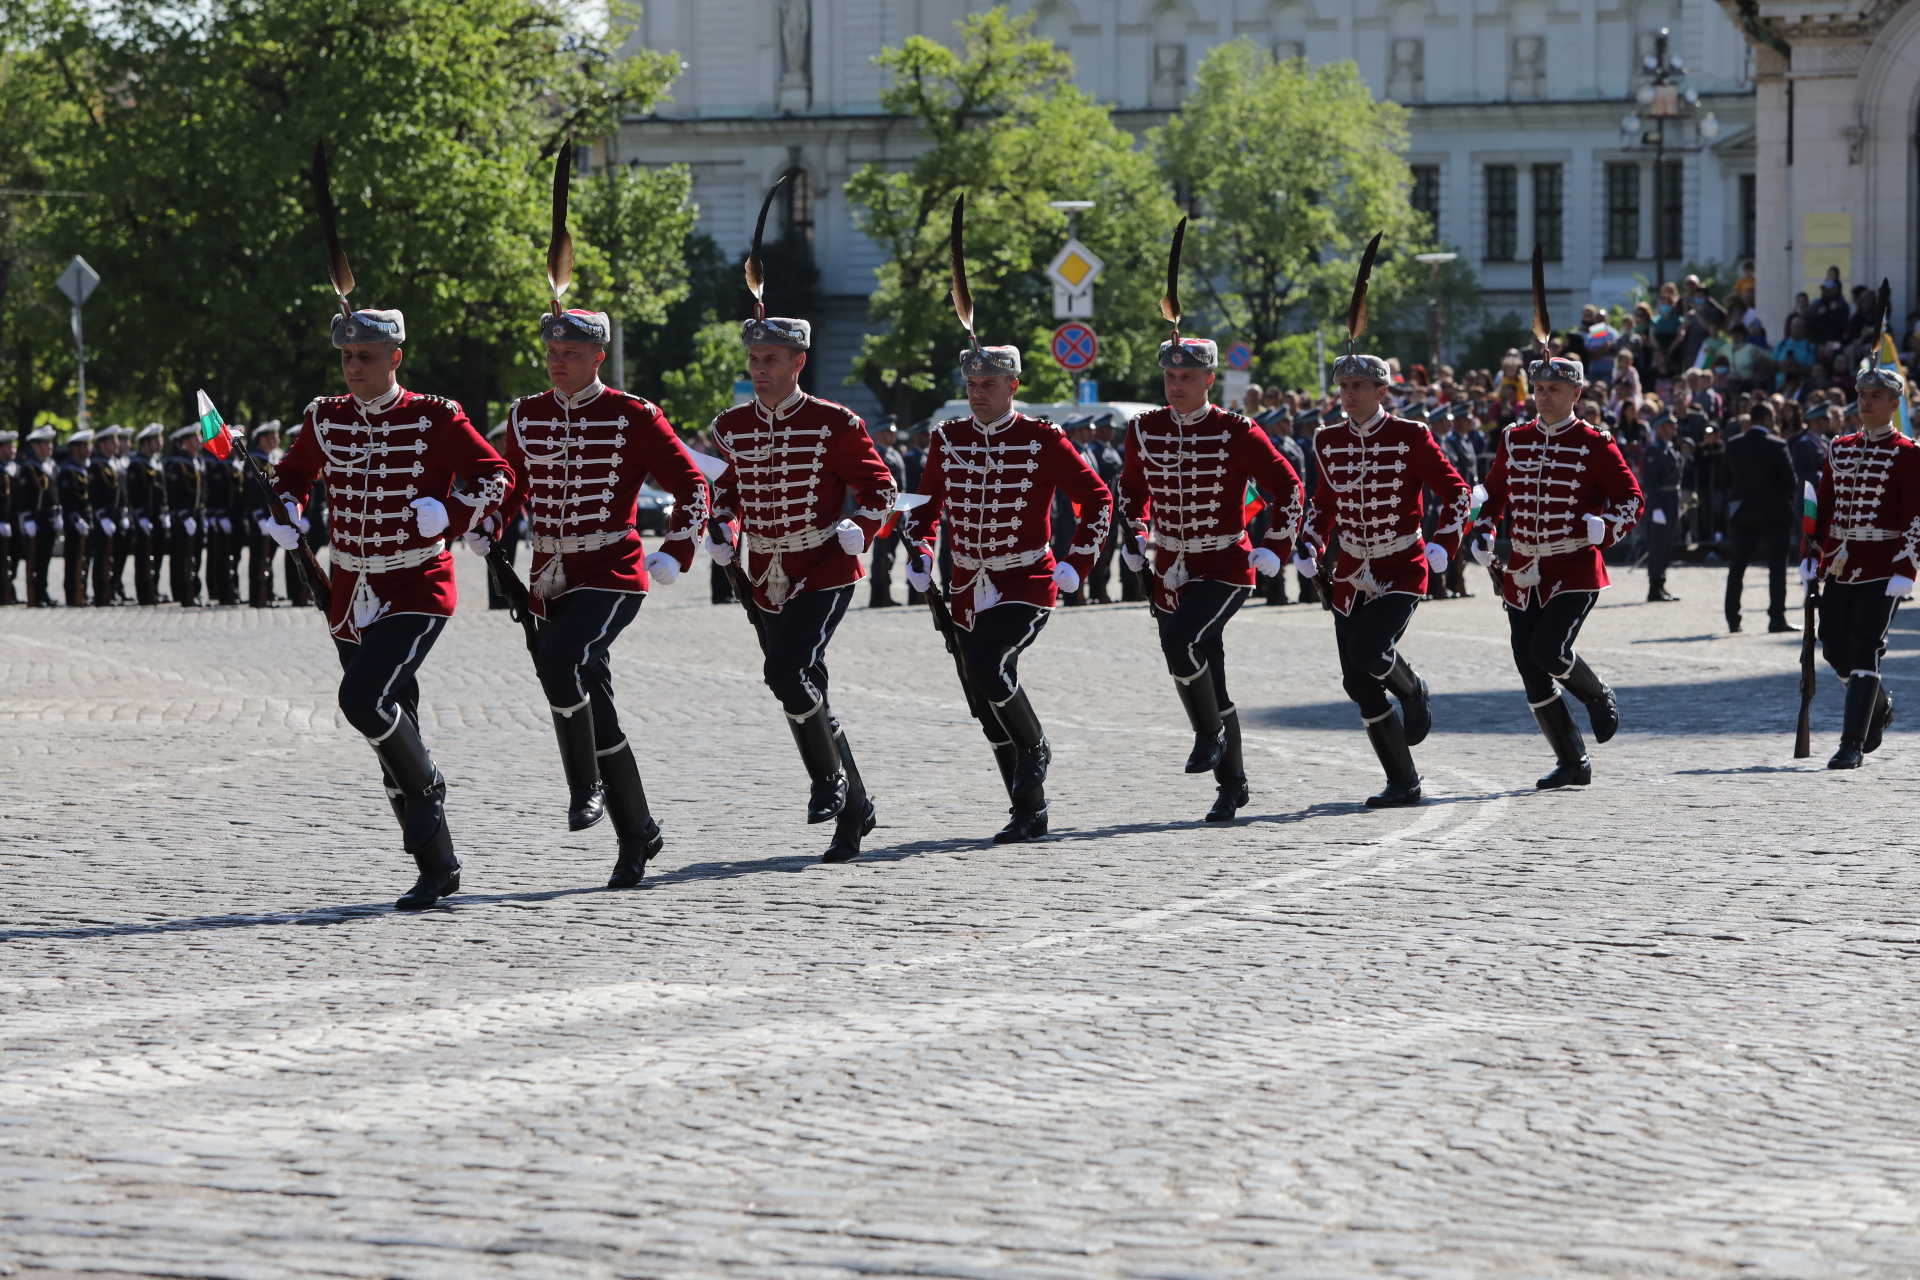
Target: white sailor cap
(8, 437)
(368, 325)
(191, 429)
(271, 424)
(40, 433)
(576, 326)
(778, 331)
(149, 431)
(82, 436)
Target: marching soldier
(389, 457)
(993, 477)
(185, 513)
(38, 513)
(1187, 471)
(579, 455)
(260, 504)
(1867, 534)
(106, 495)
(792, 460)
(9, 489)
(1570, 495)
(147, 512)
(1662, 471)
(72, 489)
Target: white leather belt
(1868, 534)
(387, 564)
(805, 540)
(994, 564)
(1560, 548)
(1374, 550)
(574, 544)
(1209, 542)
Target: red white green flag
(213, 428)
(1809, 509)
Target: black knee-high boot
(857, 817)
(1389, 741)
(1573, 769)
(1032, 753)
(586, 797)
(1203, 713)
(1603, 713)
(814, 736)
(1027, 812)
(1416, 706)
(1231, 772)
(1863, 699)
(626, 802)
(423, 820)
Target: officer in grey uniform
(1662, 470)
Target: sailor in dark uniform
(147, 512)
(72, 491)
(186, 509)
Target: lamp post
(1436, 315)
(1665, 99)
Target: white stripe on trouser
(587, 650)
(1014, 651)
(386, 690)
(1193, 658)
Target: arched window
(797, 216)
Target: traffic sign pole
(78, 282)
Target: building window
(1169, 74)
(1623, 210)
(1425, 197)
(1407, 81)
(1503, 212)
(798, 220)
(1288, 50)
(1549, 209)
(1527, 68)
(1670, 227)
(1747, 202)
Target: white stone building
(1838, 100)
(1516, 110)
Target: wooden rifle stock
(741, 584)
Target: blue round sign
(1075, 346)
(1239, 356)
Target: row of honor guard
(187, 524)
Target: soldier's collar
(1193, 419)
(1555, 428)
(782, 410)
(988, 428)
(380, 403)
(1877, 434)
(1367, 428)
(585, 396)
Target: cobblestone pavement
(1659, 1027)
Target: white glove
(1596, 530)
(917, 579)
(1899, 586)
(1135, 563)
(1809, 571)
(32, 529)
(146, 525)
(662, 566)
(432, 518)
(107, 526)
(1264, 561)
(1305, 563)
(721, 553)
(281, 533)
(852, 541)
(1659, 515)
(1067, 578)
(477, 542)
(1482, 551)
(190, 526)
(1436, 557)
(81, 526)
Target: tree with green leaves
(1008, 129)
(441, 118)
(1290, 169)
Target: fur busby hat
(987, 361)
(1557, 369)
(777, 331)
(1873, 374)
(576, 326)
(368, 325)
(1190, 353)
(1355, 365)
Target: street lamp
(1663, 97)
(1073, 209)
(1436, 317)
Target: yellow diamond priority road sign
(1075, 267)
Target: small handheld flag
(214, 433)
(1809, 509)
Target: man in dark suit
(1760, 508)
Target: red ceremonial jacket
(1190, 481)
(1868, 522)
(376, 460)
(1549, 483)
(995, 485)
(787, 480)
(578, 464)
(1370, 490)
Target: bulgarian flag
(213, 428)
(1809, 509)
(1252, 504)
